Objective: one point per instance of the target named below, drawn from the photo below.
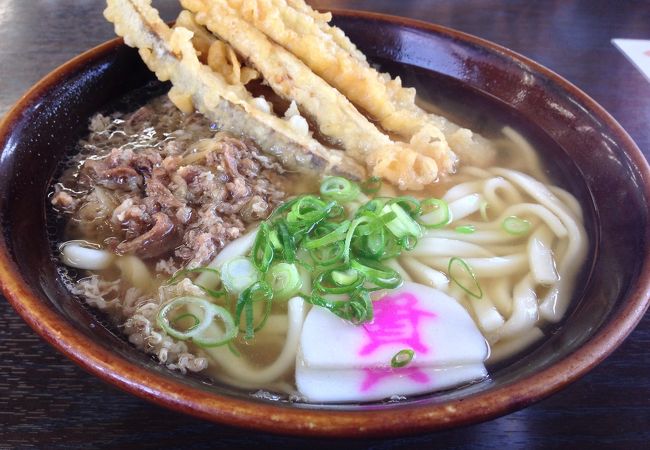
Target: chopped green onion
(344, 277)
(371, 185)
(465, 229)
(262, 253)
(403, 224)
(409, 205)
(338, 234)
(284, 280)
(408, 242)
(373, 245)
(201, 333)
(373, 206)
(341, 247)
(339, 189)
(348, 238)
(356, 309)
(328, 255)
(306, 212)
(435, 213)
(379, 275)
(402, 358)
(288, 243)
(238, 274)
(182, 317)
(181, 274)
(462, 274)
(338, 281)
(213, 293)
(259, 291)
(515, 225)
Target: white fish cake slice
(359, 385)
(448, 348)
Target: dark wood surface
(47, 402)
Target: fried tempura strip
(291, 79)
(170, 54)
(322, 20)
(334, 114)
(218, 55)
(331, 55)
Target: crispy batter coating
(218, 55)
(330, 54)
(334, 114)
(171, 55)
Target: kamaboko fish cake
(420, 340)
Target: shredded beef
(173, 190)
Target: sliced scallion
(462, 274)
(259, 291)
(284, 279)
(403, 224)
(402, 358)
(180, 274)
(238, 274)
(371, 185)
(377, 274)
(183, 317)
(340, 280)
(337, 234)
(201, 333)
(435, 213)
(262, 253)
(465, 229)
(356, 309)
(339, 189)
(515, 225)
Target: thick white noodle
(424, 274)
(511, 269)
(487, 315)
(556, 302)
(442, 247)
(540, 256)
(474, 172)
(526, 154)
(397, 267)
(463, 207)
(247, 375)
(569, 200)
(490, 237)
(463, 190)
(80, 255)
(509, 194)
(494, 267)
(524, 309)
(134, 271)
(500, 291)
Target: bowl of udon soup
(300, 224)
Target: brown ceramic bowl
(481, 84)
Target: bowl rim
(167, 392)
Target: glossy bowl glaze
(477, 81)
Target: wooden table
(47, 402)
